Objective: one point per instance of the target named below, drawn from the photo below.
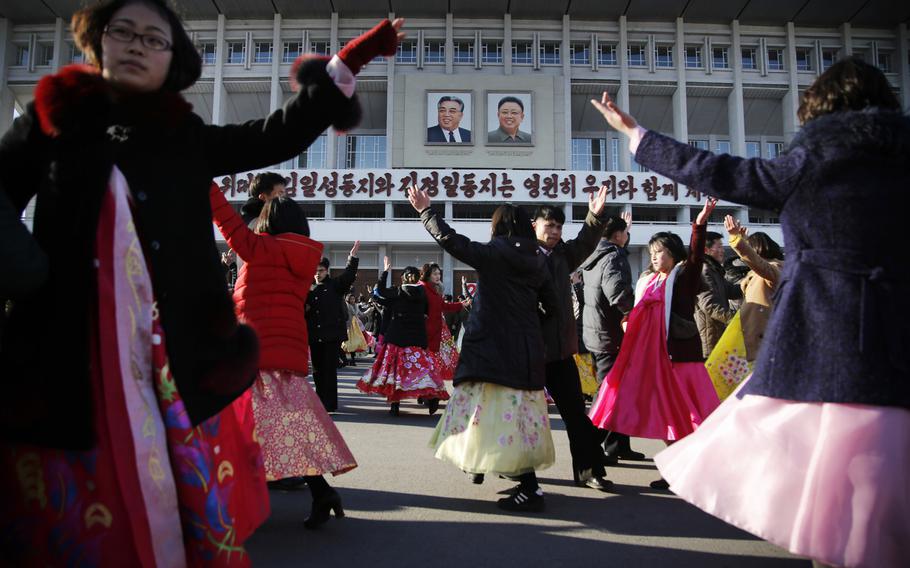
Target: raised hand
(383, 39)
(386, 264)
(733, 226)
(420, 200)
(597, 201)
(705, 212)
(627, 217)
(615, 117)
(355, 248)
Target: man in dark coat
(608, 299)
(713, 311)
(327, 325)
(561, 340)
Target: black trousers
(325, 372)
(564, 386)
(613, 441)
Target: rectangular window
(314, 156)
(693, 57)
(320, 47)
(750, 59)
(775, 149)
(549, 52)
(723, 147)
(21, 55)
(636, 167)
(829, 56)
(236, 52)
(207, 53)
(407, 52)
(522, 52)
(636, 54)
(76, 56)
(803, 59)
(290, 51)
(700, 144)
(606, 54)
(663, 56)
(753, 150)
(588, 154)
(614, 154)
(775, 59)
(721, 58)
(262, 52)
(359, 210)
(434, 51)
(314, 210)
(580, 53)
(884, 61)
(491, 51)
(45, 54)
(463, 51)
(365, 152)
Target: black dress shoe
(599, 483)
(628, 455)
(477, 478)
(395, 409)
(660, 484)
(433, 406)
(321, 509)
(522, 502)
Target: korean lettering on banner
(236, 185)
(489, 185)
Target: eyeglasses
(126, 35)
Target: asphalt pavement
(405, 508)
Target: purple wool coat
(840, 331)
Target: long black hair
(511, 221)
(283, 215)
(671, 243)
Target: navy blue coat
(840, 331)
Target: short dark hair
(427, 271)
(671, 243)
(711, 237)
(613, 225)
(324, 263)
(765, 246)
(266, 182)
(453, 99)
(510, 99)
(511, 221)
(410, 275)
(88, 26)
(849, 84)
(550, 213)
(283, 215)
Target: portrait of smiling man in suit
(452, 110)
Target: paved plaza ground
(405, 508)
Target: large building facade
(722, 76)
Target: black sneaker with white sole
(522, 502)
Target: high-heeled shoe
(330, 502)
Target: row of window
(358, 152)
(589, 154)
(491, 52)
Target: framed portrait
(510, 118)
(450, 118)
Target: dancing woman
(131, 349)
(297, 435)
(823, 425)
(403, 369)
(497, 420)
(440, 345)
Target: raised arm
(382, 290)
(764, 269)
(690, 279)
(464, 249)
(757, 182)
(239, 237)
(581, 247)
(346, 279)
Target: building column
(736, 113)
(447, 210)
(448, 273)
(390, 108)
(331, 137)
(59, 30)
(389, 211)
(219, 94)
(680, 114)
(450, 45)
(903, 45)
(507, 44)
(7, 52)
(275, 87)
(622, 96)
(567, 93)
(846, 34)
(791, 99)
(683, 216)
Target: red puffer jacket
(435, 306)
(271, 290)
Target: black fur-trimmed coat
(63, 149)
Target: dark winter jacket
(23, 265)
(840, 331)
(64, 148)
(407, 313)
(559, 332)
(503, 341)
(608, 296)
(713, 311)
(326, 311)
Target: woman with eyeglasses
(120, 447)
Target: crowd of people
(153, 393)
